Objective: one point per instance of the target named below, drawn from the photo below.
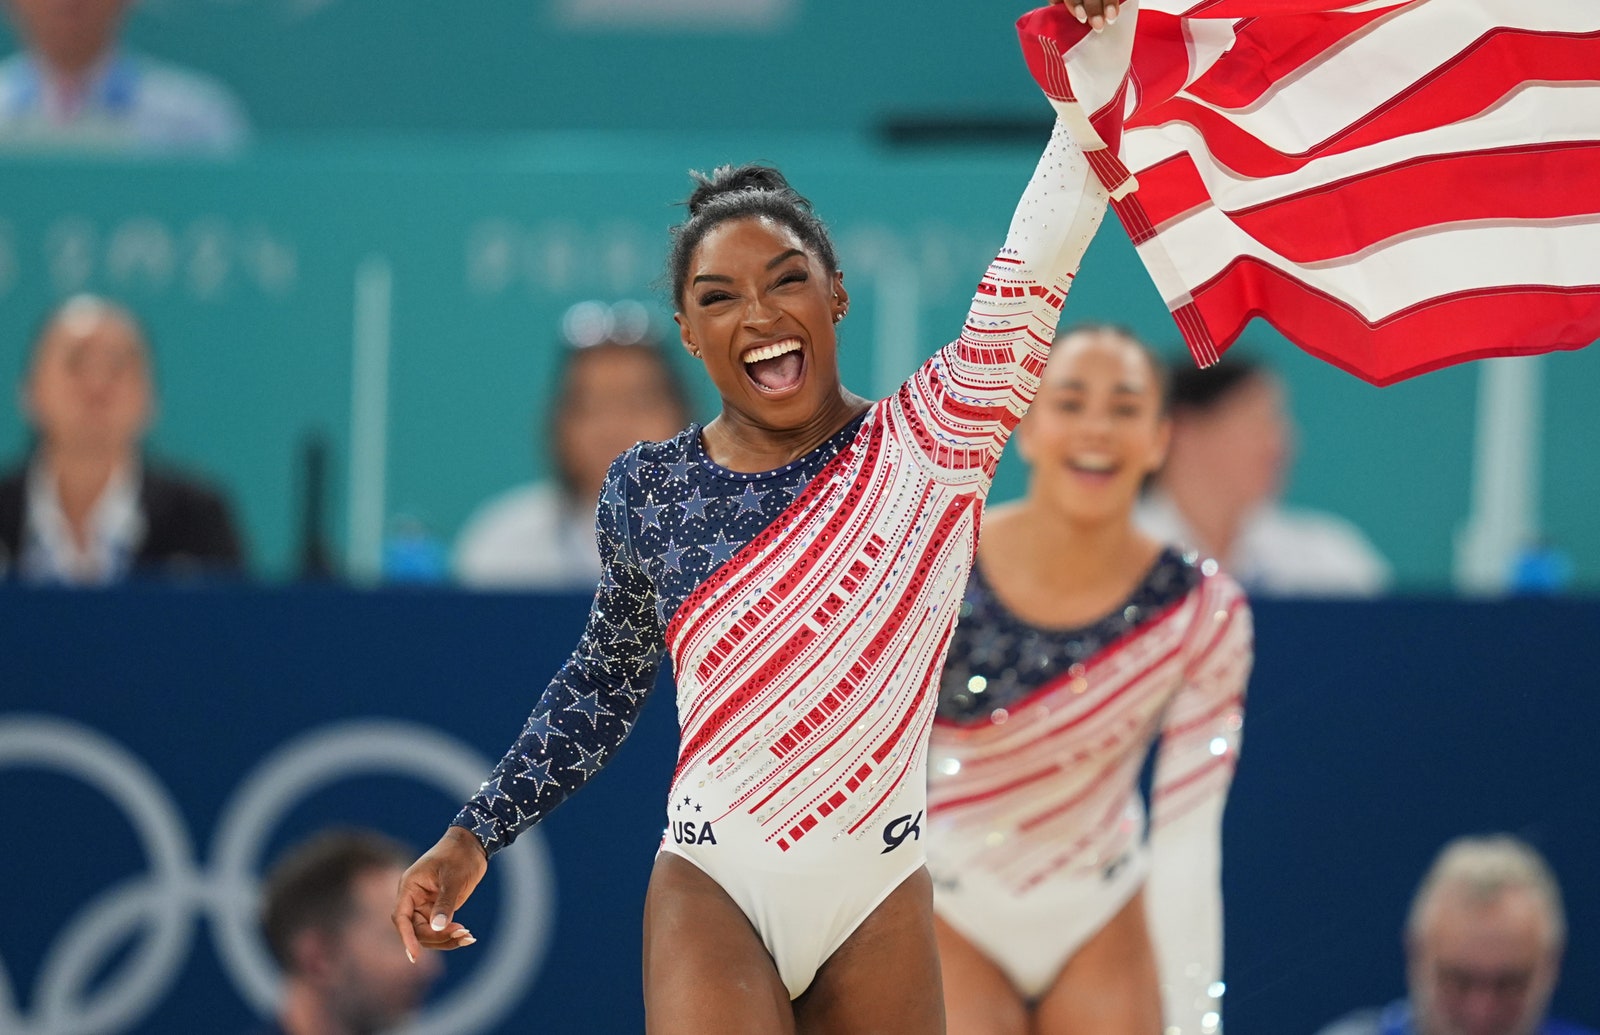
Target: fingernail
(410, 957)
(1111, 14)
(1079, 13)
(469, 940)
(439, 922)
(1097, 23)
(463, 933)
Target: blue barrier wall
(249, 717)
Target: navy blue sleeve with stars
(592, 703)
(668, 518)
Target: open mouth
(775, 367)
(1094, 468)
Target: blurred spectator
(75, 86)
(1232, 446)
(325, 913)
(85, 509)
(1483, 947)
(613, 389)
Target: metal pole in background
(1504, 520)
(369, 417)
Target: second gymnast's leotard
(1036, 821)
(806, 613)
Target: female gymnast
(1082, 641)
(800, 559)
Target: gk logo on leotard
(895, 834)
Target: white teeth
(1098, 464)
(772, 351)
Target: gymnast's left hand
(432, 890)
(1095, 13)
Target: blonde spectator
(85, 508)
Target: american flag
(1394, 186)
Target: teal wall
(316, 65)
(512, 160)
(245, 273)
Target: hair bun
(735, 179)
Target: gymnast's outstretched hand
(1096, 13)
(432, 890)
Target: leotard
(806, 612)
(1037, 823)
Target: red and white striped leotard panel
(1052, 786)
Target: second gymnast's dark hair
(738, 192)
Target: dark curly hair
(740, 192)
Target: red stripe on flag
(1469, 84)
(1161, 60)
(1517, 319)
(1266, 51)
(1532, 182)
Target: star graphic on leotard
(539, 726)
(720, 549)
(589, 705)
(694, 506)
(625, 632)
(613, 493)
(679, 469)
(539, 773)
(650, 515)
(672, 555)
(697, 808)
(644, 664)
(588, 762)
(750, 500)
(989, 647)
(493, 791)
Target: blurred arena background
(385, 266)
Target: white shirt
(530, 537)
(49, 552)
(1283, 551)
(128, 103)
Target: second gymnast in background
(1081, 643)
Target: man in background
(1220, 490)
(326, 917)
(76, 87)
(1483, 947)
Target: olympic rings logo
(167, 902)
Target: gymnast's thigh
(884, 979)
(978, 997)
(705, 969)
(1110, 986)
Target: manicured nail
(468, 940)
(439, 921)
(1079, 13)
(410, 957)
(1111, 14)
(463, 933)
